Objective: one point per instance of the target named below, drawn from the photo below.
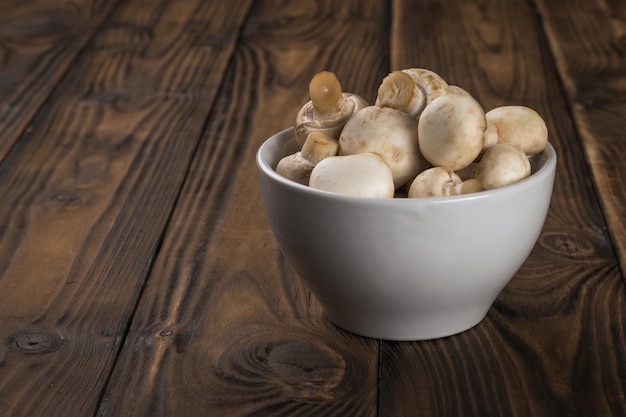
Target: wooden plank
(224, 327)
(88, 192)
(553, 343)
(39, 41)
(587, 38)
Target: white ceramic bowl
(404, 269)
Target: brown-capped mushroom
(363, 174)
(388, 132)
(451, 131)
(502, 164)
(328, 109)
(518, 125)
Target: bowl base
(414, 330)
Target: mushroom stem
(398, 91)
(325, 92)
(317, 146)
(328, 109)
(432, 85)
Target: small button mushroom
(295, 168)
(434, 182)
(518, 125)
(442, 182)
(502, 164)
(451, 131)
(328, 109)
(364, 175)
(388, 132)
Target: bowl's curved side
(404, 269)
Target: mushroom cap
(451, 131)
(502, 164)
(388, 132)
(363, 175)
(518, 125)
(434, 182)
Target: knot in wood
(37, 342)
(573, 244)
(67, 199)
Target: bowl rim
(547, 169)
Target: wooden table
(138, 274)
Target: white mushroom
(398, 91)
(518, 125)
(442, 182)
(296, 168)
(363, 174)
(434, 182)
(455, 89)
(502, 164)
(328, 109)
(451, 131)
(429, 82)
(388, 132)
(410, 90)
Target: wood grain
(590, 60)
(139, 277)
(88, 191)
(552, 345)
(39, 41)
(224, 327)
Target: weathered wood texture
(139, 277)
(224, 328)
(88, 191)
(589, 43)
(39, 41)
(553, 344)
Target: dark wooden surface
(138, 274)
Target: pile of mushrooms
(421, 138)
